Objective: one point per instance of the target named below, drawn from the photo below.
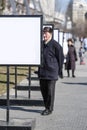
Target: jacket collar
(48, 43)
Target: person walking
(81, 55)
(71, 58)
(50, 70)
(85, 43)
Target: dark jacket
(52, 61)
(71, 58)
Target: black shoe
(46, 112)
(73, 76)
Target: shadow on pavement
(23, 109)
(78, 83)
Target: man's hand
(61, 74)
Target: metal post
(29, 80)
(8, 94)
(15, 81)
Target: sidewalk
(70, 110)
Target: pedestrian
(81, 55)
(81, 41)
(85, 43)
(71, 58)
(50, 70)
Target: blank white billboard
(65, 45)
(61, 38)
(56, 35)
(20, 40)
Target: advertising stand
(21, 46)
(56, 34)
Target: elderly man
(50, 69)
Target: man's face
(46, 36)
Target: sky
(63, 5)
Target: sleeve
(75, 54)
(60, 58)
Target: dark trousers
(48, 92)
(69, 73)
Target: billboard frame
(7, 61)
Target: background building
(77, 13)
(34, 7)
(79, 10)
